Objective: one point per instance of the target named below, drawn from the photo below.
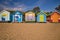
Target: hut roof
(54, 12)
(18, 12)
(29, 11)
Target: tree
(36, 9)
(58, 8)
(48, 13)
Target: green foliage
(48, 13)
(36, 9)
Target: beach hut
(17, 16)
(41, 17)
(59, 17)
(29, 16)
(4, 16)
(55, 17)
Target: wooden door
(41, 18)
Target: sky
(25, 5)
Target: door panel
(18, 18)
(41, 18)
(3, 19)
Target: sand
(29, 31)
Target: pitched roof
(4, 11)
(41, 12)
(19, 12)
(29, 11)
(55, 12)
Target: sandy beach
(29, 31)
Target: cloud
(2, 6)
(14, 6)
(40, 3)
(20, 8)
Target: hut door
(41, 18)
(30, 17)
(16, 18)
(3, 18)
(20, 18)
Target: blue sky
(24, 5)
